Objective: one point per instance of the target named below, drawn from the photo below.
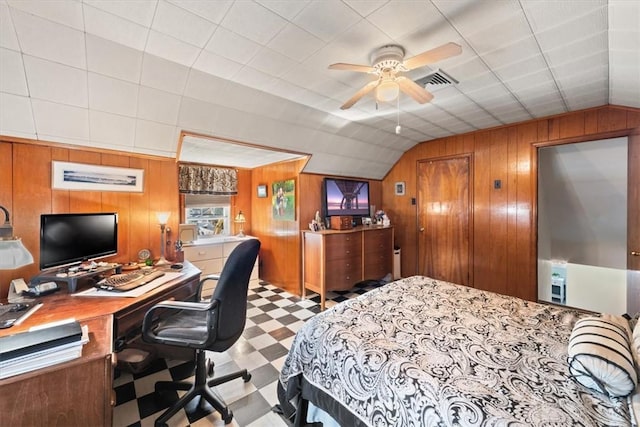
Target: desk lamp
(240, 219)
(163, 217)
(13, 254)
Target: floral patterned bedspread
(423, 352)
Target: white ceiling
(130, 75)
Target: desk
(80, 392)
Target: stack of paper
(41, 346)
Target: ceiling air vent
(437, 78)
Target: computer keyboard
(128, 281)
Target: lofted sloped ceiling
(131, 75)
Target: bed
(423, 352)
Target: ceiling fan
(388, 64)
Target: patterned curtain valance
(198, 179)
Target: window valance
(199, 179)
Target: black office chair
(214, 325)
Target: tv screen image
(66, 239)
(346, 197)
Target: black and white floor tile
(273, 318)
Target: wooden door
(444, 202)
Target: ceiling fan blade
(434, 55)
(362, 92)
(414, 90)
(351, 67)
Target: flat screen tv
(67, 239)
(346, 197)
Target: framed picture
(400, 188)
(80, 176)
(283, 198)
(262, 191)
(188, 232)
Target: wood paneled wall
(280, 240)
(25, 190)
(504, 231)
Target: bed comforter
(423, 352)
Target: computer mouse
(176, 266)
(7, 323)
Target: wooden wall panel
(504, 258)
(31, 197)
(143, 228)
(280, 240)
(25, 184)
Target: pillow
(600, 356)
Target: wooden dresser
(335, 260)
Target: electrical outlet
(497, 184)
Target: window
(211, 214)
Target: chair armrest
(202, 280)
(149, 320)
(184, 305)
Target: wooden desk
(80, 392)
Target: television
(70, 238)
(345, 197)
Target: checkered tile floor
(273, 318)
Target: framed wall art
(262, 191)
(80, 176)
(283, 198)
(399, 188)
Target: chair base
(201, 388)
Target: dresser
(335, 260)
(210, 255)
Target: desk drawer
(202, 252)
(210, 266)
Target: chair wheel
(247, 377)
(210, 368)
(227, 419)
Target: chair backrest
(231, 292)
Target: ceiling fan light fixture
(387, 91)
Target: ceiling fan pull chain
(398, 128)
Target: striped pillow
(600, 355)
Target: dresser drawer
(202, 252)
(377, 266)
(339, 246)
(377, 239)
(342, 275)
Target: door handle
(421, 229)
(635, 253)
